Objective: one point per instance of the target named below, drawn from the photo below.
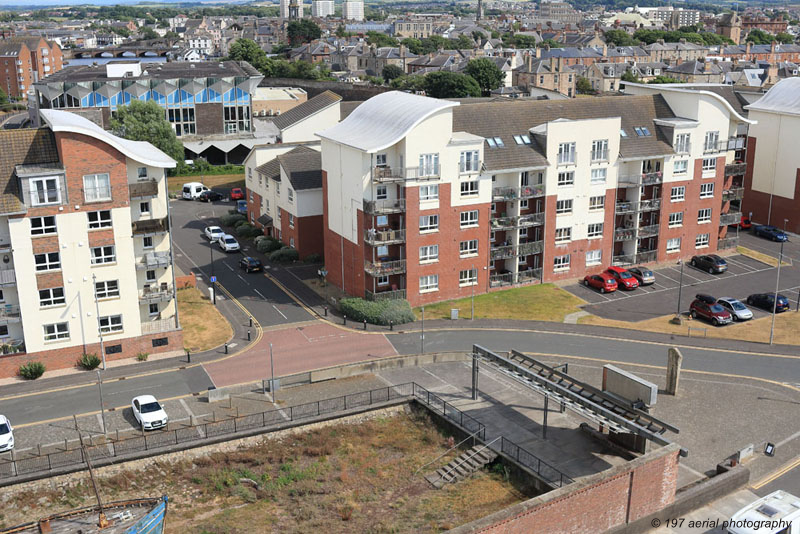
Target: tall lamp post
(777, 286)
(677, 319)
(213, 284)
(99, 328)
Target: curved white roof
(383, 120)
(681, 88)
(141, 151)
(784, 97)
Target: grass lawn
(541, 302)
(222, 181)
(760, 256)
(204, 327)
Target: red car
(745, 223)
(706, 306)
(603, 282)
(237, 193)
(625, 280)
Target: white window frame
(676, 219)
(468, 277)
(45, 228)
(428, 283)
(103, 219)
(468, 161)
(428, 165)
(704, 216)
(290, 194)
(566, 153)
(381, 192)
(594, 230)
(680, 166)
(152, 309)
(94, 190)
(712, 141)
(468, 248)
(44, 197)
(108, 289)
(380, 160)
(683, 143)
(702, 240)
(49, 297)
(429, 192)
(149, 278)
(707, 190)
(563, 235)
(52, 261)
(594, 257)
(469, 188)
(677, 193)
(428, 253)
(597, 205)
(144, 208)
(428, 223)
(673, 245)
(291, 220)
(469, 219)
(709, 168)
(113, 324)
(105, 255)
(561, 263)
(383, 280)
(566, 179)
(599, 176)
(600, 150)
(564, 206)
(524, 204)
(143, 175)
(59, 331)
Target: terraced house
(432, 199)
(85, 246)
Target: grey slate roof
(270, 169)
(306, 109)
(159, 71)
(22, 147)
(303, 166)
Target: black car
(710, 262)
(766, 301)
(250, 264)
(209, 196)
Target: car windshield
(737, 305)
(215, 230)
(625, 275)
(716, 308)
(4, 429)
(230, 240)
(646, 273)
(150, 407)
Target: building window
(96, 187)
(709, 167)
(701, 241)
(144, 208)
(108, 289)
(291, 242)
(43, 225)
(382, 220)
(110, 323)
(595, 230)
(594, 257)
(680, 166)
(99, 219)
(45, 191)
(523, 232)
(4, 330)
(429, 283)
(524, 178)
(141, 173)
(704, 215)
(381, 192)
(469, 218)
(290, 193)
(468, 277)
(153, 310)
(683, 143)
(147, 241)
(380, 160)
(491, 236)
(523, 204)
(711, 142)
(522, 139)
(676, 219)
(291, 221)
(561, 263)
(278, 189)
(429, 192)
(54, 332)
(566, 178)
(468, 248)
(383, 280)
(47, 262)
(101, 255)
(707, 190)
(674, 244)
(428, 165)
(469, 189)
(597, 203)
(563, 235)
(678, 193)
(52, 297)
(236, 119)
(600, 150)
(428, 223)
(566, 153)
(469, 161)
(563, 206)
(599, 176)
(150, 276)
(428, 253)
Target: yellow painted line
(777, 474)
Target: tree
(390, 72)
(302, 31)
(630, 77)
(757, 36)
(380, 39)
(486, 73)
(665, 79)
(248, 50)
(145, 121)
(549, 43)
(445, 84)
(784, 38)
(3, 97)
(619, 38)
(464, 42)
(583, 86)
(414, 45)
(523, 41)
(413, 84)
(171, 36)
(149, 34)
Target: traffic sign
(213, 279)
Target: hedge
(379, 312)
(313, 258)
(230, 219)
(247, 230)
(268, 245)
(284, 255)
(241, 222)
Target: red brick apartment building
(26, 60)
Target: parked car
(603, 282)
(766, 301)
(6, 434)
(213, 233)
(241, 206)
(148, 412)
(192, 190)
(710, 262)
(209, 196)
(228, 243)
(625, 280)
(250, 264)
(770, 232)
(643, 275)
(738, 311)
(745, 223)
(237, 193)
(706, 306)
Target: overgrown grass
(760, 256)
(541, 302)
(220, 181)
(204, 327)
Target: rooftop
(22, 147)
(306, 109)
(303, 166)
(158, 71)
(784, 97)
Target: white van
(777, 513)
(192, 190)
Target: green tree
(757, 36)
(486, 73)
(3, 97)
(583, 86)
(523, 41)
(145, 121)
(665, 79)
(390, 72)
(302, 31)
(619, 38)
(630, 77)
(445, 84)
(464, 42)
(413, 84)
(380, 39)
(784, 38)
(478, 36)
(149, 34)
(414, 45)
(171, 36)
(248, 50)
(551, 43)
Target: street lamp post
(213, 284)
(102, 411)
(777, 287)
(422, 337)
(680, 290)
(99, 328)
(271, 374)
(472, 311)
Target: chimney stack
(529, 62)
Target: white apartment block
(353, 10)
(322, 8)
(87, 251)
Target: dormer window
(642, 131)
(495, 142)
(522, 139)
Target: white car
(228, 243)
(6, 434)
(738, 311)
(148, 412)
(213, 233)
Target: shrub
(314, 258)
(284, 255)
(259, 238)
(31, 370)
(231, 219)
(89, 362)
(142, 356)
(239, 223)
(244, 229)
(377, 312)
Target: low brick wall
(186, 281)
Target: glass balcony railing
(511, 251)
(504, 194)
(384, 207)
(623, 259)
(394, 294)
(727, 242)
(384, 237)
(519, 221)
(644, 178)
(735, 193)
(384, 268)
(648, 231)
(647, 256)
(510, 279)
(730, 218)
(735, 169)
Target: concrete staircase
(463, 466)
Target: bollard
(326, 310)
(226, 348)
(248, 335)
(39, 445)
(345, 319)
(66, 444)
(118, 434)
(251, 321)
(365, 324)
(391, 325)
(188, 356)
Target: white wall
(777, 157)
(306, 129)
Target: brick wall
(309, 236)
(99, 238)
(208, 118)
(48, 280)
(186, 281)
(8, 80)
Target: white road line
(229, 267)
(259, 294)
(277, 310)
(242, 279)
(661, 275)
(741, 264)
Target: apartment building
(431, 200)
(86, 259)
(322, 8)
(26, 60)
(353, 10)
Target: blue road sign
(213, 279)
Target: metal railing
(384, 207)
(157, 326)
(156, 293)
(624, 206)
(518, 221)
(734, 193)
(466, 167)
(436, 404)
(9, 311)
(510, 251)
(500, 194)
(624, 234)
(643, 178)
(735, 169)
(383, 268)
(648, 231)
(388, 174)
(623, 259)
(523, 457)
(647, 256)
(400, 174)
(394, 294)
(650, 204)
(143, 189)
(154, 260)
(628, 206)
(7, 277)
(384, 237)
(727, 242)
(509, 279)
(150, 226)
(730, 218)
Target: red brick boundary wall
(187, 281)
(596, 503)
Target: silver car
(738, 311)
(644, 275)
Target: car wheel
(715, 321)
(586, 283)
(693, 314)
(694, 263)
(710, 270)
(602, 290)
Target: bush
(377, 312)
(231, 219)
(241, 222)
(246, 230)
(269, 245)
(314, 258)
(259, 238)
(142, 356)
(284, 255)
(89, 362)
(31, 370)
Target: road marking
(777, 474)
(259, 294)
(229, 267)
(277, 310)
(242, 279)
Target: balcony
(384, 237)
(469, 167)
(647, 256)
(143, 189)
(150, 226)
(627, 206)
(511, 251)
(644, 178)
(732, 217)
(399, 174)
(384, 207)
(153, 294)
(727, 242)
(385, 268)
(624, 234)
(648, 231)
(157, 326)
(509, 279)
(735, 193)
(153, 260)
(395, 294)
(520, 221)
(652, 204)
(9, 313)
(504, 194)
(8, 277)
(624, 259)
(735, 169)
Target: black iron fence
(436, 404)
(546, 471)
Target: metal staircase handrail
(445, 453)
(475, 453)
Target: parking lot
(744, 276)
